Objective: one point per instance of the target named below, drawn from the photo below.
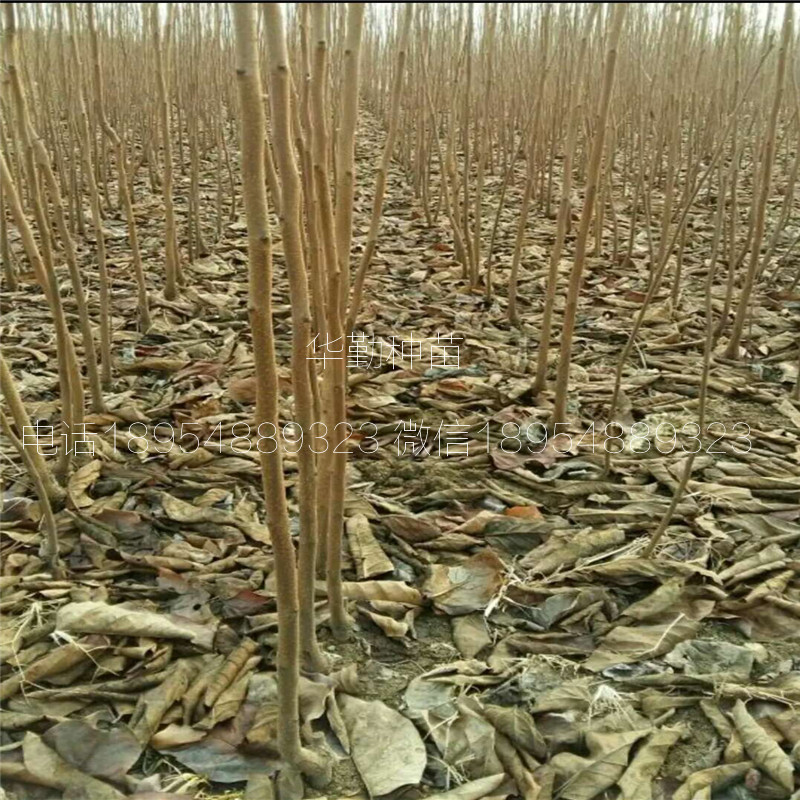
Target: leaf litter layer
(511, 638)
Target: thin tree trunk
(122, 174)
(253, 127)
(732, 350)
(381, 172)
(68, 369)
(339, 291)
(49, 549)
(291, 191)
(94, 199)
(162, 56)
(576, 276)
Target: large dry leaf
(468, 586)
(665, 598)
(411, 529)
(471, 634)
(473, 790)
(102, 753)
(770, 557)
(176, 735)
(518, 726)
(765, 751)
(636, 781)
(393, 628)
(429, 702)
(565, 550)
(787, 722)
(464, 738)
(220, 761)
(395, 591)
(386, 747)
(468, 741)
(230, 701)
(155, 703)
(713, 778)
(118, 620)
(53, 663)
(367, 553)
(81, 480)
(585, 778)
(43, 762)
(723, 660)
(181, 511)
(230, 670)
(571, 695)
(625, 645)
(733, 750)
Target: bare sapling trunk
(515, 151)
(339, 291)
(9, 273)
(732, 350)
(592, 180)
(789, 195)
(662, 266)
(122, 173)
(162, 60)
(19, 415)
(669, 188)
(219, 119)
(565, 204)
(94, 200)
(253, 129)
(25, 138)
(195, 151)
(291, 194)
(708, 344)
(320, 146)
(379, 191)
(519, 239)
(87, 333)
(49, 549)
(446, 170)
(272, 180)
(482, 145)
(309, 192)
(509, 171)
(69, 378)
(71, 384)
(470, 269)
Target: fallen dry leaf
(466, 587)
(386, 748)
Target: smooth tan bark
(291, 193)
(329, 264)
(49, 550)
(122, 173)
(161, 59)
(19, 415)
(732, 350)
(379, 192)
(339, 290)
(703, 391)
(592, 181)
(565, 205)
(94, 200)
(70, 389)
(253, 129)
